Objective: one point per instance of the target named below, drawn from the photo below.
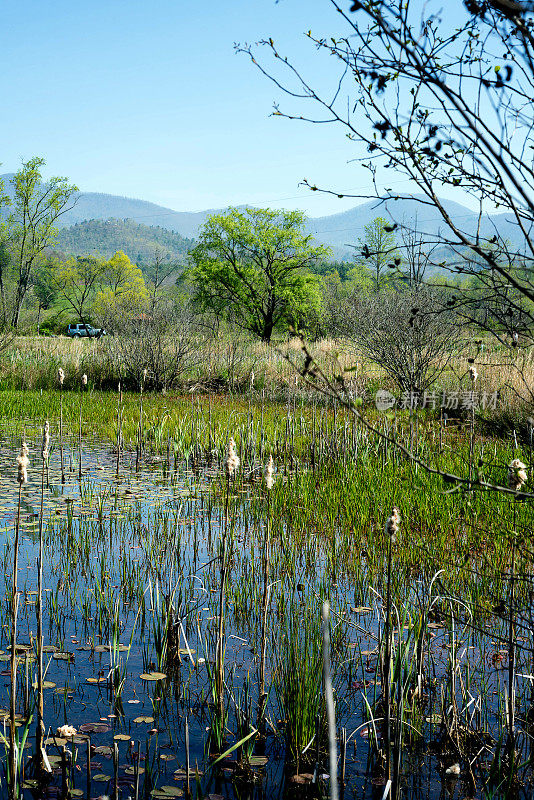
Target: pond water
(131, 603)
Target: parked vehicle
(81, 329)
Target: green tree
(379, 248)
(121, 290)
(5, 254)
(253, 267)
(45, 286)
(36, 208)
(76, 281)
(6, 264)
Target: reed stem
(13, 655)
(329, 698)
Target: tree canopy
(378, 249)
(37, 205)
(253, 266)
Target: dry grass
(230, 361)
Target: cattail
(84, 379)
(145, 373)
(60, 376)
(22, 464)
(392, 525)
(46, 440)
(67, 731)
(269, 473)
(252, 376)
(232, 459)
(517, 474)
(473, 374)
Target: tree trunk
(19, 299)
(267, 332)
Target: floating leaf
(258, 761)
(145, 720)
(171, 791)
(102, 778)
(94, 727)
(152, 676)
(303, 778)
(46, 685)
(122, 737)
(104, 750)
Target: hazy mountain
(93, 205)
(343, 230)
(337, 230)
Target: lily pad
(145, 720)
(104, 750)
(152, 676)
(94, 727)
(258, 761)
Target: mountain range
(339, 231)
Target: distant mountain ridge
(340, 231)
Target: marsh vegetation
(180, 588)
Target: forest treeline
(256, 269)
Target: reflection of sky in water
(156, 532)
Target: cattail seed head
(46, 440)
(67, 731)
(392, 525)
(473, 374)
(145, 373)
(84, 379)
(22, 464)
(252, 377)
(232, 459)
(269, 473)
(60, 376)
(517, 474)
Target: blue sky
(149, 100)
